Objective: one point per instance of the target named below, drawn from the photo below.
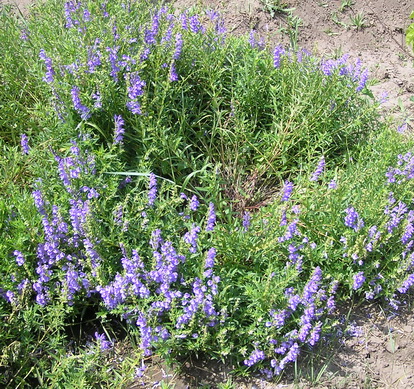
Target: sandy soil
(378, 349)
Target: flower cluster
(319, 170)
(310, 305)
(352, 219)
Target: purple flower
(119, 130)
(194, 203)
(352, 219)
(211, 220)
(39, 203)
(178, 46)
(86, 15)
(406, 284)
(278, 318)
(173, 73)
(94, 59)
(211, 255)
(145, 54)
(98, 99)
(246, 220)
(113, 60)
(104, 343)
(139, 371)
(408, 233)
(277, 56)
(319, 170)
(330, 304)
(24, 34)
(402, 128)
(304, 331)
(315, 334)
(287, 191)
(253, 42)
(156, 239)
(152, 192)
(312, 286)
(363, 78)
(396, 216)
(332, 185)
(291, 356)
(291, 230)
(24, 143)
(19, 257)
(10, 296)
(136, 86)
(168, 34)
(134, 107)
(359, 280)
(50, 72)
(191, 238)
(82, 110)
(70, 8)
(255, 357)
(294, 301)
(195, 25)
(135, 90)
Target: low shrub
(185, 191)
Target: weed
(227, 385)
(358, 21)
(274, 7)
(336, 20)
(294, 22)
(346, 4)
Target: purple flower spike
(119, 130)
(82, 110)
(246, 220)
(178, 46)
(191, 238)
(136, 86)
(255, 357)
(211, 221)
(362, 80)
(19, 257)
(135, 90)
(195, 25)
(211, 255)
(194, 203)
(152, 193)
(50, 72)
(104, 344)
(359, 280)
(277, 56)
(319, 170)
(352, 219)
(173, 73)
(113, 60)
(287, 191)
(25, 144)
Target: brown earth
(378, 349)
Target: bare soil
(377, 350)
